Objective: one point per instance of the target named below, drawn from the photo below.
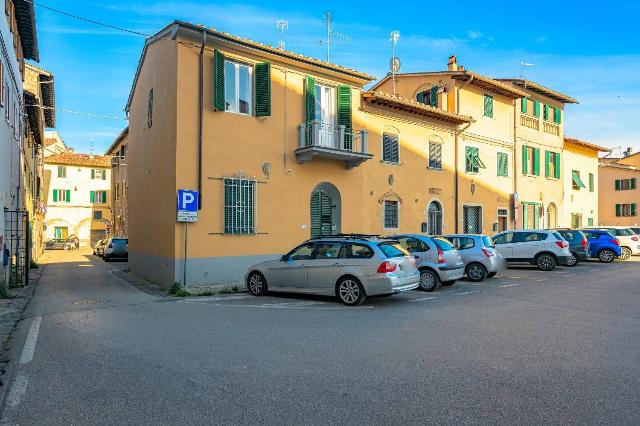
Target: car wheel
(428, 280)
(448, 283)
(256, 284)
(350, 291)
(476, 272)
(573, 260)
(491, 274)
(606, 256)
(626, 253)
(546, 262)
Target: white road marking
(508, 285)
(541, 280)
(463, 293)
(18, 389)
(423, 298)
(30, 345)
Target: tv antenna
(395, 63)
(90, 146)
(282, 26)
(523, 65)
(332, 35)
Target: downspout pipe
(201, 117)
(456, 208)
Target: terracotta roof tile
(86, 160)
(50, 141)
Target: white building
(79, 197)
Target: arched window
(434, 218)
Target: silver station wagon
(348, 267)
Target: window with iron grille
(391, 214)
(150, 109)
(435, 155)
(390, 148)
(471, 219)
(239, 206)
(97, 214)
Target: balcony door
(326, 115)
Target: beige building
(119, 187)
(619, 194)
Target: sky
(585, 49)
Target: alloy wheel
(476, 272)
(573, 260)
(256, 284)
(428, 280)
(546, 262)
(349, 291)
(606, 256)
(626, 253)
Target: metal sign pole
(184, 269)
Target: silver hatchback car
(479, 255)
(348, 267)
(436, 258)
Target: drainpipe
(456, 208)
(200, 117)
(514, 219)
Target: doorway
(61, 232)
(434, 218)
(325, 208)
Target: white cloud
(473, 35)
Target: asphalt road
(527, 347)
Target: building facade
(618, 191)
(79, 197)
(119, 186)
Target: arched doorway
(434, 218)
(552, 216)
(325, 209)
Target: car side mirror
(284, 258)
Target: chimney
(627, 152)
(452, 65)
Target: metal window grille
(390, 147)
(239, 206)
(471, 219)
(150, 109)
(435, 155)
(434, 219)
(17, 244)
(390, 214)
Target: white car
(546, 249)
(629, 241)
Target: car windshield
(623, 232)
(443, 244)
(486, 241)
(393, 249)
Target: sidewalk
(11, 309)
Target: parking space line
(508, 285)
(463, 293)
(541, 280)
(423, 298)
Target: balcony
(529, 122)
(551, 128)
(332, 142)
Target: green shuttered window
(545, 112)
(530, 160)
(473, 163)
(344, 106)
(390, 148)
(552, 164)
(503, 164)
(218, 80)
(263, 89)
(523, 105)
(488, 106)
(591, 182)
(239, 206)
(309, 99)
(61, 195)
(625, 184)
(557, 115)
(536, 161)
(433, 96)
(536, 108)
(626, 210)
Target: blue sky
(588, 52)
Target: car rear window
(360, 251)
(392, 249)
(462, 243)
(555, 234)
(624, 232)
(568, 235)
(443, 244)
(486, 241)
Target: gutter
(200, 117)
(456, 209)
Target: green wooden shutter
(344, 106)
(55, 195)
(420, 97)
(433, 96)
(523, 103)
(536, 216)
(263, 89)
(92, 197)
(633, 183)
(536, 108)
(547, 161)
(525, 216)
(558, 115)
(617, 184)
(536, 161)
(218, 80)
(310, 99)
(618, 210)
(591, 182)
(488, 106)
(545, 113)
(525, 160)
(557, 160)
(468, 159)
(68, 194)
(93, 174)
(633, 209)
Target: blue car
(602, 245)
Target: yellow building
(484, 168)
(281, 147)
(580, 181)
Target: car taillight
(584, 243)
(562, 244)
(488, 253)
(615, 241)
(634, 238)
(386, 267)
(440, 255)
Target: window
(530, 160)
(442, 244)
(626, 210)
(488, 106)
(503, 217)
(463, 243)
(576, 220)
(98, 197)
(61, 195)
(303, 252)
(239, 206)
(150, 109)
(330, 251)
(391, 214)
(98, 174)
(62, 171)
(413, 245)
(577, 182)
(552, 164)
(359, 251)
(590, 221)
(503, 164)
(392, 249)
(473, 164)
(530, 215)
(503, 238)
(435, 155)
(390, 148)
(591, 183)
(237, 87)
(97, 214)
(471, 219)
(434, 217)
(625, 184)
(429, 97)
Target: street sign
(187, 206)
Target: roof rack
(347, 236)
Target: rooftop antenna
(282, 26)
(395, 64)
(332, 35)
(524, 64)
(90, 146)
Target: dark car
(59, 244)
(602, 245)
(578, 245)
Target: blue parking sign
(187, 205)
